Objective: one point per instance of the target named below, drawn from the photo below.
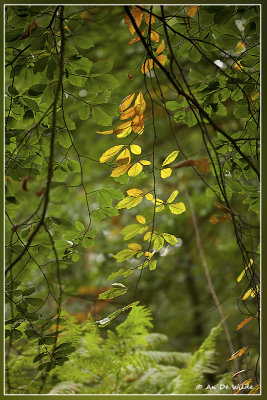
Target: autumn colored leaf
(110, 153)
(127, 114)
(126, 18)
(239, 373)
(170, 158)
(134, 246)
(154, 36)
(238, 353)
(135, 169)
(191, 12)
(223, 208)
(136, 39)
(177, 208)
(149, 196)
(138, 124)
(105, 132)
(124, 157)
(145, 162)
(243, 323)
(135, 149)
(244, 270)
(134, 192)
(161, 47)
(137, 15)
(126, 102)
(172, 196)
(130, 76)
(147, 66)
(131, 28)
(161, 59)
(214, 220)
(165, 173)
(238, 65)
(140, 104)
(148, 255)
(239, 47)
(148, 19)
(120, 170)
(141, 219)
(123, 129)
(129, 202)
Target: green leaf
(158, 242)
(124, 255)
(34, 301)
(152, 264)
(64, 139)
(112, 293)
(130, 231)
(107, 81)
(170, 238)
(84, 112)
(101, 67)
(37, 90)
(79, 226)
(104, 199)
(101, 117)
(83, 40)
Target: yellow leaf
(147, 66)
(157, 201)
(172, 196)
(141, 219)
(124, 132)
(238, 353)
(135, 169)
(105, 132)
(120, 170)
(238, 65)
(148, 255)
(177, 208)
(149, 196)
(154, 36)
(123, 129)
(140, 104)
(126, 102)
(170, 158)
(247, 294)
(129, 202)
(136, 39)
(134, 246)
(145, 162)
(110, 153)
(191, 12)
(165, 173)
(134, 192)
(255, 291)
(131, 28)
(135, 149)
(255, 389)
(127, 114)
(242, 385)
(239, 47)
(244, 270)
(161, 47)
(124, 157)
(162, 59)
(160, 208)
(152, 19)
(147, 235)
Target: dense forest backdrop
(132, 199)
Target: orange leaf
(215, 220)
(126, 102)
(154, 36)
(137, 15)
(241, 386)
(138, 124)
(238, 353)
(223, 208)
(244, 323)
(123, 129)
(162, 59)
(130, 76)
(152, 19)
(120, 170)
(136, 39)
(130, 113)
(147, 66)
(191, 12)
(161, 47)
(126, 19)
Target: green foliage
(99, 137)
